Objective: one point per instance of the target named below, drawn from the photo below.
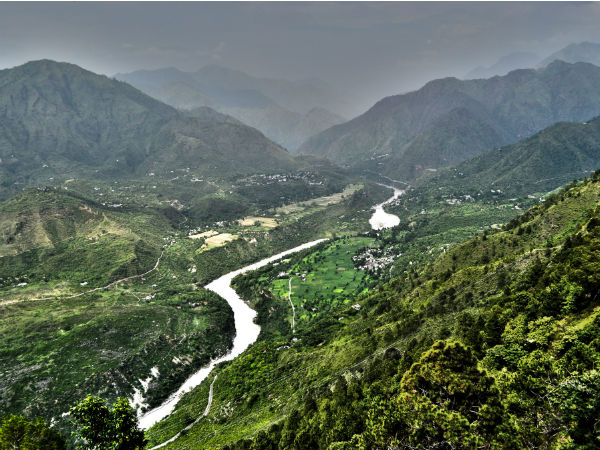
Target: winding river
(380, 219)
(246, 330)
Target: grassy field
(323, 279)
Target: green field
(323, 279)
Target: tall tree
(101, 428)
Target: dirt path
(293, 309)
(206, 411)
(114, 283)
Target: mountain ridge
(60, 121)
(513, 106)
(283, 110)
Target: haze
(366, 50)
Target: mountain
(449, 120)
(540, 163)
(285, 111)
(288, 128)
(582, 52)
(59, 121)
(507, 63)
(210, 115)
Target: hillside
(537, 164)
(285, 111)
(449, 120)
(123, 284)
(58, 121)
(495, 344)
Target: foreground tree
(101, 428)
(444, 402)
(17, 433)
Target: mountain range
(59, 121)
(287, 112)
(540, 163)
(577, 52)
(507, 63)
(450, 120)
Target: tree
(443, 402)
(17, 433)
(101, 428)
(449, 403)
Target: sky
(365, 50)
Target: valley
(193, 257)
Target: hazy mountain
(581, 52)
(285, 111)
(508, 63)
(290, 129)
(59, 121)
(209, 114)
(449, 120)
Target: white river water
(246, 330)
(380, 219)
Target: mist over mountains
(449, 120)
(285, 111)
(419, 274)
(577, 52)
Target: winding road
(293, 309)
(101, 288)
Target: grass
(322, 280)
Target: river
(247, 330)
(380, 219)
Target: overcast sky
(367, 49)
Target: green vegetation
(520, 300)
(467, 326)
(157, 321)
(105, 130)
(18, 433)
(450, 120)
(122, 337)
(322, 279)
(101, 428)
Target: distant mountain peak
(587, 52)
(59, 120)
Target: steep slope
(522, 304)
(473, 113)
(58, 121)
(285, 111)
(588, 52)
(210, 115)
(539, 163)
